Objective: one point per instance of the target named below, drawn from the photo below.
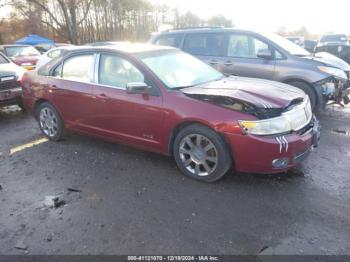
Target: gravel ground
(86, 196)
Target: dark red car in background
(163, 100)
(22, 55)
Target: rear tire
(200, 153)
(50, 121)
(307, 89)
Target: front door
(130, 118)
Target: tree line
(83, 21)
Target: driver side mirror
(137, 88)
(264, 53)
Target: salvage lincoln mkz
(163, 100)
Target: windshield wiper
(181, 87)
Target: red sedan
(163, 100)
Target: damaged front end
(238, 105)
(334, 90)
(261, 113)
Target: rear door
(209, 47)
(241, 52)
(70, 87)
(130, 118)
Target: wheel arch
(37, 104)
(184, 124)
(312, 87)
(41, 101)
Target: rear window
(334, 38)
(169, 40)
(207, 44)
(78, 68)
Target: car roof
(205, 30)
(124, 47)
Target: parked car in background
(164, 100)
(105, 43)
(22, 55)
(334, 38)
(310, 45)
(10, 89)
(264, 55)
(298, 40)
(337, 45)
(43, 48)
(51, 54)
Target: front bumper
(256, 154)
(10, 96)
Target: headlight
(26, 64)
(271, 126)
(333, 71)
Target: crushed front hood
(328, 59)
(255, 92)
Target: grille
(300, 115)
(8, 85)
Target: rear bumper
(255, 154)
(10, 96)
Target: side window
(54, 53)
(169, 40)
(278, 55)
(209, 44)
(78, 68)
(244, 46)
(57, 72)
(118, 72)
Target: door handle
(102, 95)
(213, 62)
(228, 63)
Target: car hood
(328, 59)
(258, 93)
(10, 69)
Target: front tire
(200, 153)
(50, 121)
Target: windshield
(334, 38)
(14, 51)
(177, 69)
(287, 45)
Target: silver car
(322, 76)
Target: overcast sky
(318, 16)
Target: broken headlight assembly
(338, 73)
(291, 120)
(272, 126)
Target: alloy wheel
(198, 154)
(48, 122)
